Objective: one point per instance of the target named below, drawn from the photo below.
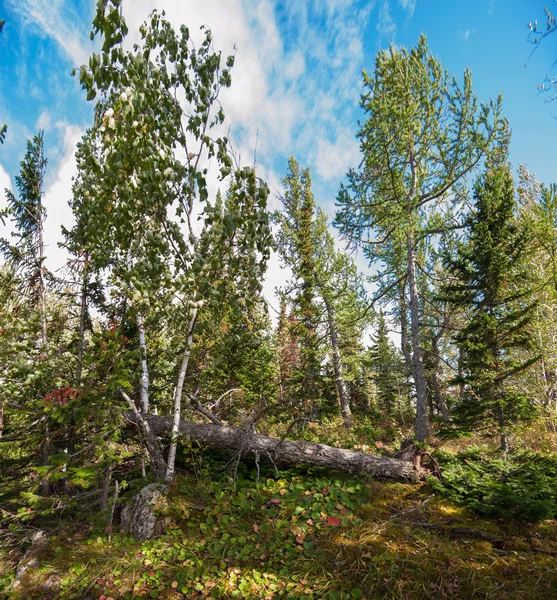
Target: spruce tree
(491, 279)
(26, 255)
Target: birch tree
(141, 197)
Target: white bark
(144, 389)
(177, 410)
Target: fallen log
(288, 453)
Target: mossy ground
(303, 534)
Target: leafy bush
(521, 486)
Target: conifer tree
(329, 290)
(27, 212)
(492, 280)
(424, 133)
(389, 371)
(287, 350)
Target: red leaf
(333, 521)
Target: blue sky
(296, 81)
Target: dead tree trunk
(286, 453)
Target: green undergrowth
(521, 485)
(298, 535)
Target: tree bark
(404, 333)
(82, 323)
(144, 389)
(342, 388)
(152, 442)
(177, 411)
(42, 283)
(421, 423)
(286, 452)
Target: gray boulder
(138, 518)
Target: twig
(217, 402)
(274, 464)
(400, 514)
(501, 543)
(114, 500)
(201, 409)
(258, 469)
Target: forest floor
(303, 534)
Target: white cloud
(465, 35)
(409, 6)
(333, 159)
(55, 19)
(295, 67)
(58, 193)
(44, 121)
(386, 26)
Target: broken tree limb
(288, 453)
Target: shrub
(521, 486)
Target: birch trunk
(152, 442)
(144, 388)
(177, 411)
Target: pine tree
(423, 135)
(492, 280)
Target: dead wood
(288, 453)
